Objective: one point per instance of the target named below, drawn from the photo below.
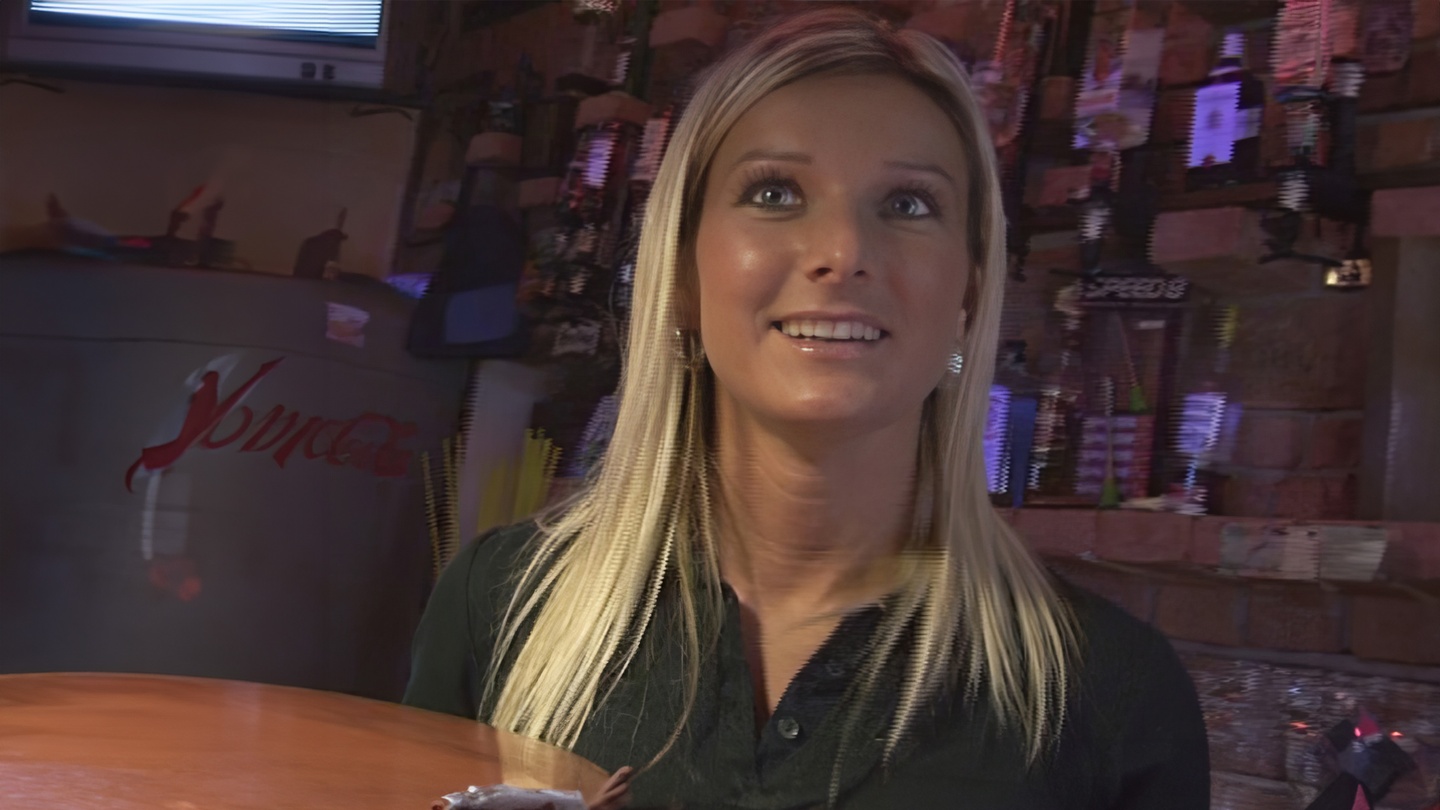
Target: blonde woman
(784, 586)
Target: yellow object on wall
(515, 489)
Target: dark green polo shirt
(1134, 738)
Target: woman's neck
(817, 524)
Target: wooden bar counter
(133, 742)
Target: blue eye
(774, 195)
(911, 206)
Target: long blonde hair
(981, 612)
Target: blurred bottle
(1225, 130)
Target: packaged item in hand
(505, 797)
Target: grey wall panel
(310, 573)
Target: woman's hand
(615, 793)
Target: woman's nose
(837, 247)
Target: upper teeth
(831, 330)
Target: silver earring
(689, 351)
(957, 362)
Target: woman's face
(831, 254)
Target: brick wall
(1162, 568)
(1275, 663)
(1375, 622)
(1298, 375)
(1296, 371)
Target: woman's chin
(841, 416)
(832, 406)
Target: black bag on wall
(469, 309)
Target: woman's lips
(830, 347)
(829, 328)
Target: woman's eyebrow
(922, 167)
(802, 157)
(771, 154)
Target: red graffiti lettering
(209, 441)
(359, 454)
(310, 451)
(255, 445)
(391, 460)
(204, 413)
(342, 446)
(380, 453)
(283, 454)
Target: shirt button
(789, 728)
(835, 669)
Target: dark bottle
(1224, 144)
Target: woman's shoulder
(484, 570)
(458, 626)
(505, 546)
(1127, 667)
(1108, 630)
(1136, 706)
(496, 556)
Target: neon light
(997, 450)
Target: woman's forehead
(877, 119)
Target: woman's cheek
(741, 266)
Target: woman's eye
(774, 196)
(910, 205)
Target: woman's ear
(967, 305)
(687, 308)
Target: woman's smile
(840, 337)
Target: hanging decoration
(1115, 101)
(1387, 27)
(1008, 86)
(1004, 83)
(1321, 99)
(1300, 59)
(1050, 468)
(1114, 107)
